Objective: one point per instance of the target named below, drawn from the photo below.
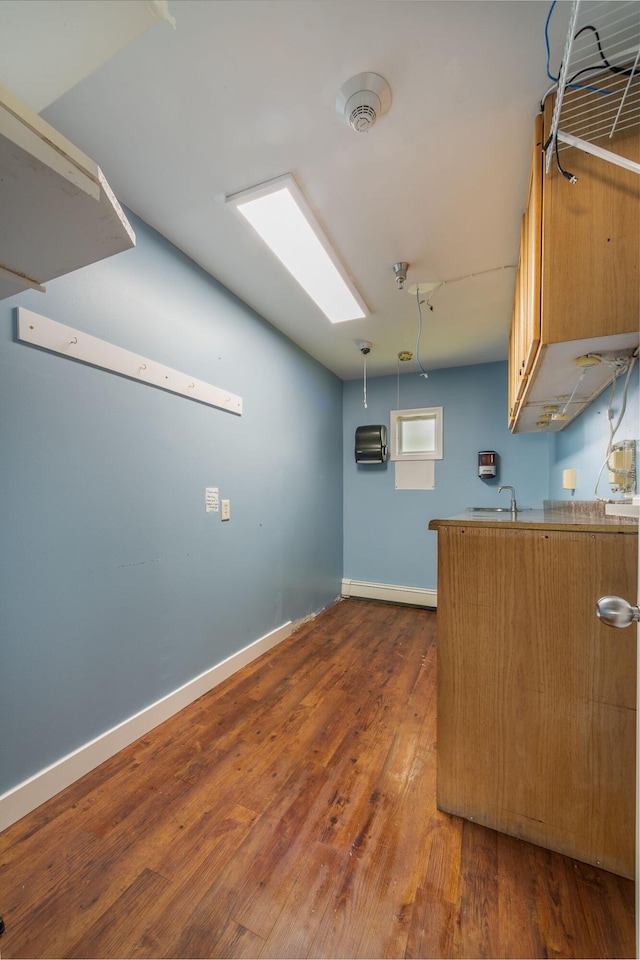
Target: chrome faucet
(514, 505)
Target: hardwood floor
(291, 812)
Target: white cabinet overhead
(57, 211)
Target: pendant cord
(364, 397)
(423, 372)
(580, 379)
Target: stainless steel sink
(488, 510)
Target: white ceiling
(242, 91)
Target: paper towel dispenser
(371, 443)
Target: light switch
(226, 510)
(568, 479)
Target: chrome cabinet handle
(616, 612)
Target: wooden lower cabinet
(536, 697)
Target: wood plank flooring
(291, 812)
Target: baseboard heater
(391, 593)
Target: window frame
(431, 413)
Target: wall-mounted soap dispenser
(371, 443)
(487, 464)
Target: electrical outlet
(225, 513)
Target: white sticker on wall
(415, 474)
(211, 499)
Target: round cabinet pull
(616, 612)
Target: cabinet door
(525, 326)
(515, 380)
(532, 239)
(591, 244)
(536, 697)
(513, 371)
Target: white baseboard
(415, 596)
(26, 796)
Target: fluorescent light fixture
(278, 211)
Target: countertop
(556, 515)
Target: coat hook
(143, 367)
(75, 340)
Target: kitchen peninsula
(537, 697)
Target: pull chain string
(398, 397)
(364, 397)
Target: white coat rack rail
(598, 96)
(51, 335)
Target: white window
(416, 434)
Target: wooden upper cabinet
(578, 279)
(525, 328)
(590, 244)
(533, 251)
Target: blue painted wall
(582, 445)
(385, 530)
(116, 586)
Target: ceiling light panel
(279, 213)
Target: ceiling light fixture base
(400, 270)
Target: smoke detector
(362, 99)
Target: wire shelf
(598, 96)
